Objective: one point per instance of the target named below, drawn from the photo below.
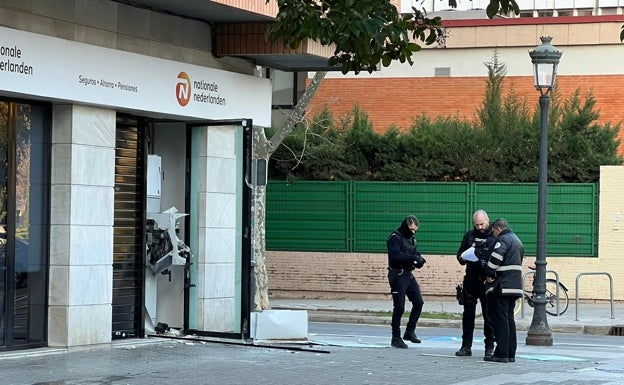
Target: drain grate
(617, 331)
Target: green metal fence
(358, 216)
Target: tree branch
(297, 115)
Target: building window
(24, 184)
(603, 11)
(546, 13)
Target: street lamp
(545, 58)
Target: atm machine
(164, 251)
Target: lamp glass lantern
(545, 59)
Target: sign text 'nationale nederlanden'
(11, 60)
(212, 97)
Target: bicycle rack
(532, 272)
(578, 277)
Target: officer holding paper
(474, 253)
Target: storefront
(24, 144)
(78, 124)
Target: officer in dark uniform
(403, 257)
(481, 238)
(504, 287)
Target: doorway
(203, 172)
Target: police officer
(403, 257)
(482, 239)
(504, 287)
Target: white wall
(170, 143)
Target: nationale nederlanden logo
(183, 89)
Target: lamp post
(545, 58)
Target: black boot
(411, 336)
(464, 351)
(397, 342)
(489, 351)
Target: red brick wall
(395, 101)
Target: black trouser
(501, 312)
(403, 283)
(474, 291)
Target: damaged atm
(168, 258)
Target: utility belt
(399, 271)
(476, 277)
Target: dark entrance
(129, 229)
(24, 223)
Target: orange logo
(183, 89)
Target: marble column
(81, 230)
(218, 219)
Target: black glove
(461, 260)
(419, 261)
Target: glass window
(24, 144)
(4, 129)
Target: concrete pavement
(574, 358)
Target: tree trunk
(263, 149)
(260, 284)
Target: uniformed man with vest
(504, 287)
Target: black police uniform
(474, 288)
(505, 266)
(403, 257)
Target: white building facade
(89, 91)
(528, 8)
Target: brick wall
(353, 275)
(350, 275)
(396, 101)
(363, 276)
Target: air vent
(442, 71)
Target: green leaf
(386, 60)
(369, 32)
(431, 39)
(492, 8)
(413, 47)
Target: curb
(521, 325)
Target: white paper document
(469, 255)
